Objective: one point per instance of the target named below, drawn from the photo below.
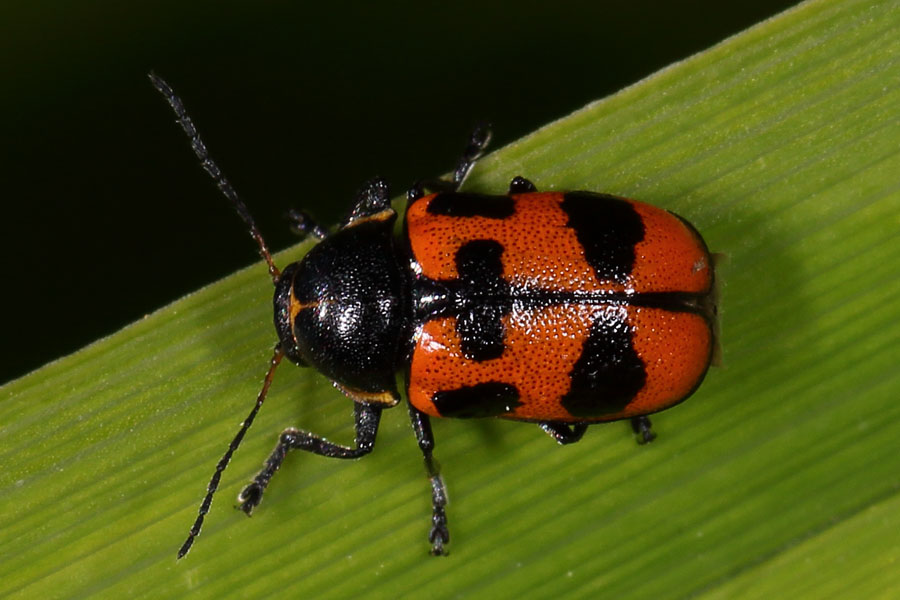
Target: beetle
(564, 309)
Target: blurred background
(106, 215)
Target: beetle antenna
(212, 168)
(223, 462)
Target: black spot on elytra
(488, 399)
(609, 373)
(461, 204)
(484, 299)
(607, 228)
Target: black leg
(642, 428)
(478, 141)
(367, 417)
(439, 534)
(304, 225)
(520, 185)
(562, 433)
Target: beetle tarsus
(478, 141)
(562, 433)
(439, 534)
(250, 498)
(643, 429)
(303, 225)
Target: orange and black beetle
(559, 308)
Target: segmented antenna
(223, 462)
(213, 169)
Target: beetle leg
(367, 417)
(478, 141)
(304, 225)
(439, 534)
(562, 433)
(642, 427)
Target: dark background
(106, 215)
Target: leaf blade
(779, 144)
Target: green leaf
(780, 477)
